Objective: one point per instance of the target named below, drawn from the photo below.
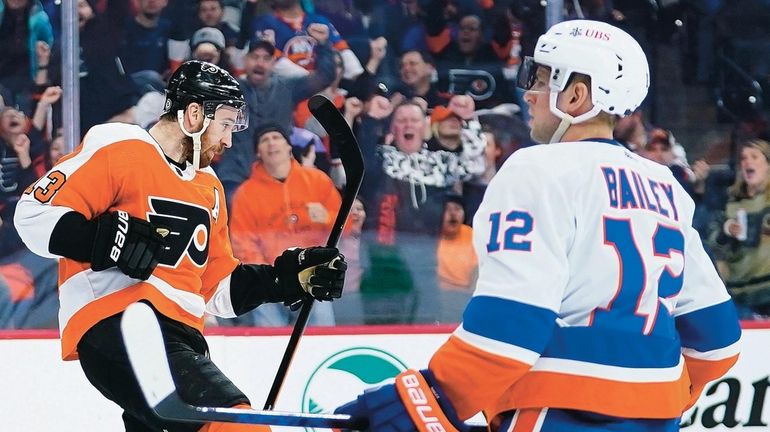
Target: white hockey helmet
(620, 75)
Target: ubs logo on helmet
(589, 33)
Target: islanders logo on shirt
(299, 49)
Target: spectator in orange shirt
(282, 204)
(457, 261)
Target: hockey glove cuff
(413, 402)
(130, 243)
(317, 271)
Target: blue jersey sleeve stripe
(509, 321)
(709, 328)
(613, 348)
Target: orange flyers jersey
(594, 291)
(121, 167)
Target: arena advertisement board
(328, 370)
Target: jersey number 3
(624, 307)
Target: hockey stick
(353, 162)
(147, 353)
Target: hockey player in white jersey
(596, 307)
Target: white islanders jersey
(594, 291)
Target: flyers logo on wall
(345, 374)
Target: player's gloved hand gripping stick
(340, 134)
(317, 271)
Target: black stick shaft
(352, 161)
(288, 355)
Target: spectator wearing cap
(209, 14)
(271, 99)
(208, 44)
(282, 204)
(457, 262)
(454, 125)
(661, 147)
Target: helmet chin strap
(566, 119)
(196, 137)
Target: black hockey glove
(318, 271)
(130, 243)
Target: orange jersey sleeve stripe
(703, 371)
(473, 379)
(619, 399)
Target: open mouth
(409, 136)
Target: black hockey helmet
(207, 84)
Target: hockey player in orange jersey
(596, 307)
(136, 215)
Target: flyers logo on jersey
(189, 227)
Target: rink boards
(42, 393)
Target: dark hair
(426, 56)
(270, 127)
(221, 2)
(264, 44)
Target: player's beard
(207, 156)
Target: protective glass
(242, 118)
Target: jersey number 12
(623, 309)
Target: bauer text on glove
(130, 243)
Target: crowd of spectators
(428, 86)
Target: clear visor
(237, 123)
(527, 74)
